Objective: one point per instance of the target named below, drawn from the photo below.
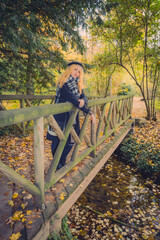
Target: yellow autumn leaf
(75, 168)
(145, 237)
(62, 180)
(29, 212)
(15, 236)
(20, 168)
(23, 219)
(62, 195)
(30, 222)
(15, 195)
(109, 213)
(23, 205)
(17, 216)
(22, 215)
(11, 203)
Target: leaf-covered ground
(118, 204)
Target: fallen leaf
(23, 219)
(62, 180)
(29, 212)
(62, 196)
(15, 195)
(11, 203)
(23, 205)
(15, 236)
(17, 216)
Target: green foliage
(142, 156)
(130, 34)
(124, 89)
(33, 36)
(65, 232)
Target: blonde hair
(67, 74)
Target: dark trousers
(65, 152)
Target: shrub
(124, 89)
(142, 156)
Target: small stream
(129, 206)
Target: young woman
(69, 89)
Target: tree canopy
(130, 34)
(33, 35)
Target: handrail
(10, 117)
(33, 97)
(20, 97)
(111, 113)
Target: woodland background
(119, 44)
(117, 41)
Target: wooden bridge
(56, 191)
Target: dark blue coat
(66, 95)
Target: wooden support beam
(28, 103)
(54, 125)
(98, 111)
(75, 136)
(87, 140)
(101, 121)
(81, 135)
(14, 177)
(93, 133)
(108, 118)
(60, 147)
(22, 106)
(2, 108)
(39, 158)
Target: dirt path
(139, 109)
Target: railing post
(22, 124)
(39, 158)
(93, 133)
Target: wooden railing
(111, 113)
(23, 101)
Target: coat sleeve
(83, 96)
(68, 96)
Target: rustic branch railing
(28, 101)
(25, 101)
(111, 113)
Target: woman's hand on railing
(81, 103)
